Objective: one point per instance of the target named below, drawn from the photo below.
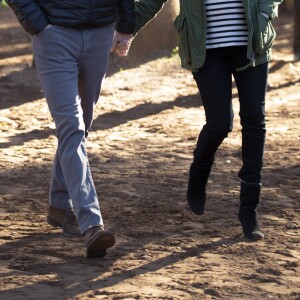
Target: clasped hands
(121, 43)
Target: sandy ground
(140, 149)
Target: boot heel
(249, 200)
(196, 194)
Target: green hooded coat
(191, 27)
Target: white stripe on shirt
(226, 23)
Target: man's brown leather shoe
(97, 240)
(65, 219)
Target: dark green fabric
(191, 27)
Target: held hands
(121, 43)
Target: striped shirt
(226, 23)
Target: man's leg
(57, 52)
(60, 209)
(92, 68)
(58, 195)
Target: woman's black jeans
(214, 81)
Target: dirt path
(140, 148)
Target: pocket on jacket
(187, 46)
(183, 47)
(263, 35)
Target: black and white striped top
(226, 23)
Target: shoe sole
(254, 237)
(56, 224)
(99, 244)
(98, 254)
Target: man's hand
(121, 43)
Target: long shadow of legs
(22, 138)
(108, 120)
(19, 87)
(116, 118)
(72, 274)
(167, 260)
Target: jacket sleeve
(30, 15)
(269, 7)
(145, 11)
(126, 16)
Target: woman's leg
(251, 84)
(215, 86)
(214, 83)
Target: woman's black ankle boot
(196, 195)
(249, 199)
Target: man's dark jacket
(34, 15)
